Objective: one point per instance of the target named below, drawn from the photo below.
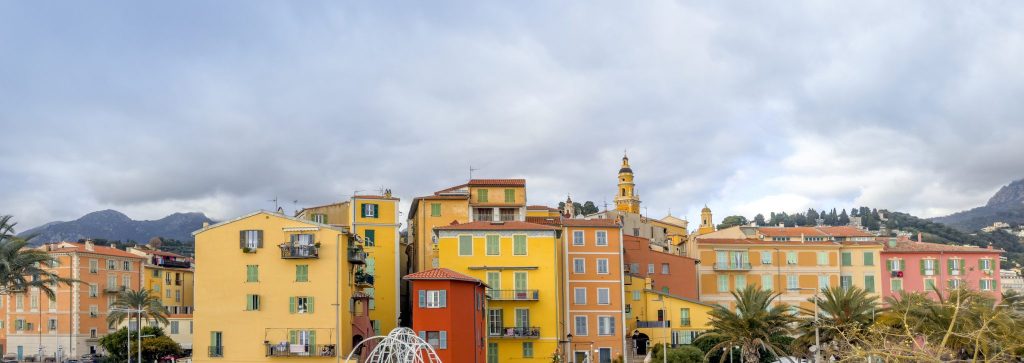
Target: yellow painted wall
(384, 252)
(424, 222)
(858, 270)
(337, 213)
(496, 196)
(644, 303)
(541, 264)
(156, 281)
(807, 269)
(221, 289)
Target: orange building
(448, 312)
(669, 273)
(72, 323)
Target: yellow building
(796, 261)
(375, 220)
(542, 211)
(476, 200)
(270, 286)
(520, 262)
(663, 317)
(627, 199)
(707, 222)
(169, 276)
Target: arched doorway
(640, 342)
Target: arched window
(623, 192)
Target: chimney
(89, 245)
(919, 237)
(781, 224)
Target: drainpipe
(565, 280)
(337, 297)
(622, 296)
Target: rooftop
(69, 247)
(497, 226)
(440, 274)
(790, 231)
(904, 245)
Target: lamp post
(817, 336)
(139, 335)
(569, 354)
(668, 332)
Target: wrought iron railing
(653, 324)
(300, 350)
(514, 332)
(514, 295)
(732, 266)
(356, 255)
(290, 250)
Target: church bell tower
(627, 200)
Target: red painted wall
(682, 277)
(462, 318)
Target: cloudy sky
(749, 107)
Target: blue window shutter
(423, 298)
(444, 338)
(423, 335)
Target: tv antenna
(471, 170)
(275, 202)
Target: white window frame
(576, 296)
(576, 325)
(601, 238)
(605, 325)
(434, 299)
(607, 296)
(579, 266)
(600, 270)
(578, 238)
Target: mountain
(1007, 205)
(115, 226)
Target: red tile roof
(590, 223)
(790, 231)
(911, 246)
(497, 182)
(440, 274)
(80, 248)
(497, 226)
(845, 231)
(751, 241)
(542, 207)
(551, 221)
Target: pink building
(922, 267)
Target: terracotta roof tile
(542, 207)
(752, 241)
(99, 250)
(911, 246)
(440, 274)
(790, 231)
(497, 182)
(497, 226)
(551, 221)
(590, 223)
(845, 231)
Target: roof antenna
(471, 170)
(275, 202)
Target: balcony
(171, 263)
(300, 350)
(114, 289)
(486, 217)
(216, 351)
(653, 324)
(299, 251)
(732, 266)
(530, 332)
(363, 279)
(356, 255)
(513, 295)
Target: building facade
(169, 276)
(929, 267)
(670, 273)
(450, 314)
(593, 280)
(662, 317)
(73, 322)
(270, 286)
(521, 263)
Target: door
(21, 353)
(520, 285)
(580, 357)
(494, 321)
(494, 284)
(604, 355)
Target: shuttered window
(869, 258)
(847, 258)
(370, 238)
(252, 273)
(519, 245)
(465, 245)
(435, 209)
(510, 195)
(493, 245)
(252, 302)
(301, 273)
(869, 283)
(481, 195)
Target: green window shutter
(510, 195)
(301, 273)
(371, 237)
(435, 209)
(847, 259)
(371, 266)
(903, 265)
(869, 283)
(869, 259)
(293, 337)
(481, 195)
(362, 210)
(519, 245)
(241, 239)
(310, 303)
(312, 340)
(248, 302)
(465, 245)
(949, 266)
(922, 266)
(950, 283)
(422, 298)
(493, 245)
(291, 304)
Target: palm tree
(21, 267)
(130, 302)
(842, 313)
(754, 326)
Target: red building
(921, 267)
(673, 274)
(448, 312)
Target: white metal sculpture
(401, 345)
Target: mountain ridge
(110, 224)
(1006, 205)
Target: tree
(759, 219)
(844, 219)
(812, 216)
(153, 348)
(23, 268)
(150, 305)
(731, 221)
(589, 208)
(681, 354)
(841, 311)
(752, 325)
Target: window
(895, 264)
(252, 239)
(955, 283)
(845, 282)
(581, 325)
(602, 266)
(435, 209)
(465, 245)
(216, 341)
(127, 281)
(869, 283)
(527, 349)
(522, 318)
(684, 317)
(577, 238)
(929, 285)
(111, 265)
(896, 285)
(510, 196)
(319, 218)
(605, 325)
(634, 268)
(822, 258)
(252, 302)
(955, 266)
(985, 264)
(481, 195)
(732, 259)
(822, 281)
(252, 273)
(723, 283)
(792, 282)
(601, 238)
(493, 245)
(579, 295)
(664, 269)
(636, 295)
(433, 299)
(603, 296)
(94, 290)
(94, 311)
(302, 273)
(175, 327)
(987, 284)
(766, 282)
(578, 266)
(741, 281)
(791, 258)
(369, 210)
(33, 299)
(847, 258)
(519, 279)
(766, 258)
(94, 266)
(636, 232)
(869, 258)
(300, 304)
(928, 266)
(51, 325)
(650, 269)
(127, 265)
(519, 245)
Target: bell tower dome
(707, 224)
(627, 200)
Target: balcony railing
(513, 295)
(300, 350)
(514, 332)
(114, 289)
(732, 266)
(356, 255)
(653, 324)
(172, 263)
(289, 250)
(486, 217)
(216, 351)
(363, 279)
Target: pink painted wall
(914, 281)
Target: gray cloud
(218, 107)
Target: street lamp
(817, 337)
(668, 336)
(139, 335)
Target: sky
(219, 107)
